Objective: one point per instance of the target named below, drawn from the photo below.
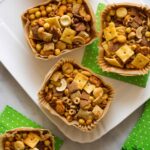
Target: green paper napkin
(139, 138)
(91, 54)
(10, 119)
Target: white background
(12, 94)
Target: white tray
(29, 73)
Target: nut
(131, 35)
(60, 108)
(61, 45)
(121, 38)
(63, 85)
(139, 32)
(62, 9)
(98, 92)
(95, 81)
(19, 145)
(56, 76)
(67, 68)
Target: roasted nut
(67, 68)
(128, 30)
(61, 45)
(81, 121)
(121, 38)
(131, 35)
(40, 30)
(89, 121)
(69, 118)
(82, 11)
(65, 21)
(95, 81)
(56, 76)
(60, 108)
(46, 26)
(98, 92)
(32, 17)
(147, 34)
(62, 9)
(47, 143)
(112, 12)
(38, 47)
(38, 14)
(121, 12)
(19, 145)
(139, 32)
(48, 9)
(63, 85)
(33, 10)
(57, 52)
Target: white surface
(31, 75)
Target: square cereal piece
(110, 32)
(81, 80)
(32, 140)
(68, 35)
(89, 87)
(140, 61)
(124, 53)
(113, 61)
(54, 21)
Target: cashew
(63, 85)
(62, 9)
(139, 32)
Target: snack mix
(57, 26)
(28, 139)
(77, 95)
(126, 37)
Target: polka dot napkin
(11, 119)
(139, 138)
(91, 54)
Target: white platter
(29, 73)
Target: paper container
(26, 24)
(24, 129)
(103, 64)
(45, 104)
